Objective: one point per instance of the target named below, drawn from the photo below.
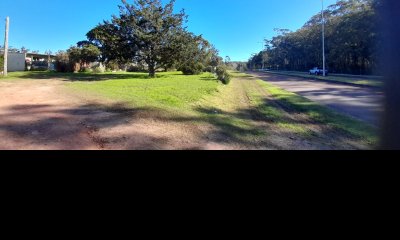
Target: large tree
(143, 32)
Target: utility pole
(323, 38)
(6, 47)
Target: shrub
(63, 63)
(98, 70)
(192, 68)
(86, 70)
(223, 75)
(112, 66)
(209, 69)
(134, 68)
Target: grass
(170, 90)
(345, 79)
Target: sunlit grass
(168, 90)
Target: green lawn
(353, 80)
(170, 90)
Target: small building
(16, 62)
(27, 61)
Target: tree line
(351, 41)
(145, 35)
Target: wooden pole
(6, 48)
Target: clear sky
(236, 27)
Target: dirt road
(362, 103)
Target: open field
(349, 79)
(173, 111)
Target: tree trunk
(152, 70)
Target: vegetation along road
(364, 104)
(172, 111)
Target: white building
(25, 61)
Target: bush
(112, 66)
(223, 75)
(63, 63)
(86, 70)
(135, 68)
(98, 70)
(192, 68)
(209, 69)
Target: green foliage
(84, 54)
(209, 69)
(112, 65)
(98, 69)
(151, 33)
(135, 68)
(223, 75)
(63, 63)
(142, 32)
(192, 68)
(241, 67)
(351, 36)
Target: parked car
(318, 71)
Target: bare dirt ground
(45, 115)
(42, 115)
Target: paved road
(362, 103)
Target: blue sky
(236, 27)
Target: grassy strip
(354, 81)
(348, 125)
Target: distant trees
(351, 41)
(77, 58)
(84, 54)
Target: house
(27, 61)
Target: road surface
(361, 103)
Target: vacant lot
(130, 111)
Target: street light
(323, 38)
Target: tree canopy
(146, 31)
(351, 38)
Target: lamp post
(323, 39)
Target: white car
(317, 71)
